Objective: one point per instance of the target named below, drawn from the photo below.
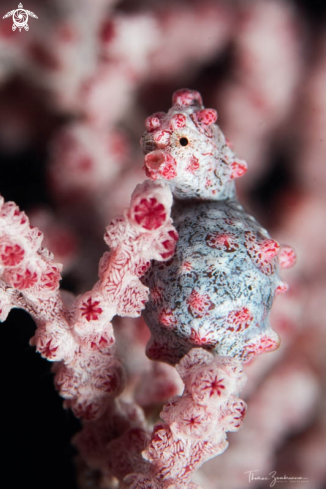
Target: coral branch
(77, 334)
(195, 424)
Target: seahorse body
(218, 289)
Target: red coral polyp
(48, 349)
(50, 278)
(10, 211)
(90, 309)
(210, 385)
(11, 254)
(193, 420)
(149, 213)
(98, 341)
(169, 245)
(22, 278)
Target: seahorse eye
(184, 141)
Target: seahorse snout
(160, 164)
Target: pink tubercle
(206, 116)
(287, 257)
(178, 121)
(269, 248)
(162, 138)
(261, 345)
(239, 319)
(200, 338)
(160, 164)
(186, 267)
(222, 241)
(262, 251)
(239, 168)
(185, 97)
(152, 123)
(167, 319)
(199, 304)
(281, 288)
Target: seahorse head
(186, 148)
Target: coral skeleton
(76, 333)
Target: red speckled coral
(79, 337)
(195, 423)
